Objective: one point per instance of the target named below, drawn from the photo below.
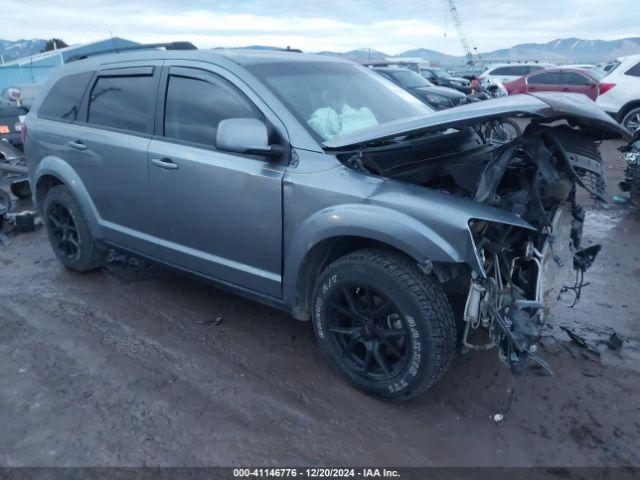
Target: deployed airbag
(329, 124)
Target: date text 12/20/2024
(315, 473)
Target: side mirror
(246, 135)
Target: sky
(391, 26)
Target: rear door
(217, 213)
(545, 81)
(111, 146)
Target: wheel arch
(52, 171)
(626, 108)
(331, 234)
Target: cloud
(388, 25)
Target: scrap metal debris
(25, 221)
(581, 341)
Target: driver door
(216, 213)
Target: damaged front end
(522, 266)
(631, 182)
(525, 270)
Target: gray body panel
(219, 215)
(243, 220)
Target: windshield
(409, 79)
(441, 73)
(332, 99)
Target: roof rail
(147, 46)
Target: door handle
(565, 89)
(77, 144)
(165, 163)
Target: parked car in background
(440, 98)
(441, 77)
(556, 80)
(607, 66)
(436, 97)
(508, 72)
(620, 92)
(315, 186)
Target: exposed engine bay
(522, 271)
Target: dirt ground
(130, 366)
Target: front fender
(58, 168)
(373, 222)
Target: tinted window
(123, 102)
(428, 75)
(439, 73)
(572, 78)
(634, 71)
(546, 78)
(63, 100)
(194, 108)
(513, 71)
(409, 79)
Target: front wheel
(384, 325)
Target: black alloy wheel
(368, 331)
(384, 325)
(64, 231)
(69, 233)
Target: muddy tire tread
(432, 300)
(97, 253)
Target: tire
(21, 189)
(415, 337)
(68, 232)
(631, 120)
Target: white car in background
(508, 72)
(620, 92)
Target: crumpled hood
(546, 107)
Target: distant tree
(54, 44)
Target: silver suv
(316, 186)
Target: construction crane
(471, 60)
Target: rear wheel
(631, 120)
(383, 324)
(68, 232)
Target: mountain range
(565, 50)
(20, 48)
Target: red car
(556, 80)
